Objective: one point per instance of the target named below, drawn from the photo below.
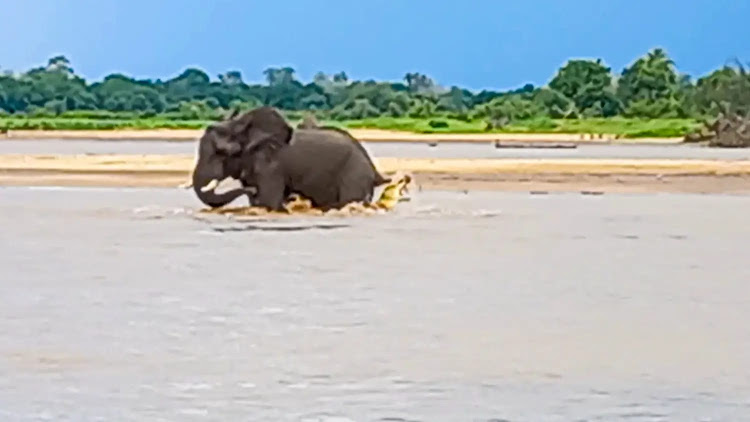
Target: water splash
(296, 205)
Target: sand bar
(182, 164)
(601, 175)
(367, 135)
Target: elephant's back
(319, 136)
(336, 138)
(311, 148)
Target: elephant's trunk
(203, 177)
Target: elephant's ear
(259, 139)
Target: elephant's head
(263, 127)
(218, 157)
(225, 146)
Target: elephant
(326, 165)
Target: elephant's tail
(380, 180)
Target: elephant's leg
(353, 191)
(248, 181)
(251, 191)
(271, 190)
(355, 183)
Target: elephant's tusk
(210, 186)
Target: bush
(97, 114)
(395, 110)
(462, 116)
(437, 124)
(541, 124)
(97, 124)
(293, 115)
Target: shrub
(437, 124)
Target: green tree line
(649, 88)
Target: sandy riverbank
(367, 135)
(601, 175)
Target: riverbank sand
(539, 175)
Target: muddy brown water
(124, 304)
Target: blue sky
(477, 44)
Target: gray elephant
(326, 165)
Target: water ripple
(454, 307)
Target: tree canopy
(650, 87)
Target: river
(123, 304)
(391, 149)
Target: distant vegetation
(648, 98)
